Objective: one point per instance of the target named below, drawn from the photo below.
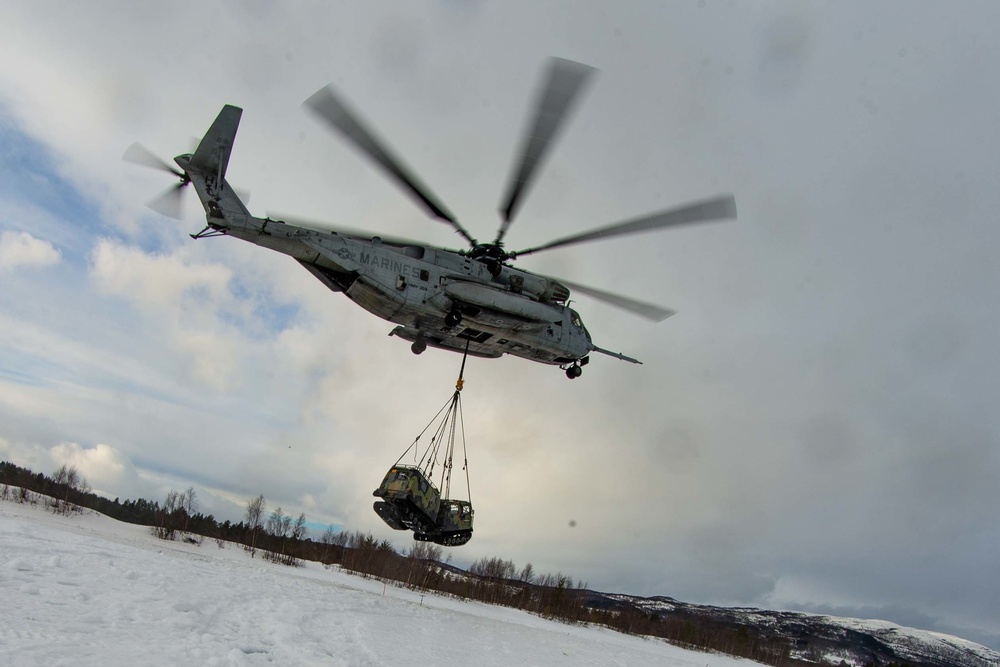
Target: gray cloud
(814, 429)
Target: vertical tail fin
(212, 154)
(207, 166)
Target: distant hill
(815, 639)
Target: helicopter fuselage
(438, 298)
(471, 301)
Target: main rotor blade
(648, 310)
(334, 111)
(322, 225)
(553, 104)
(170, 202)
(719, 208)
(139, 154)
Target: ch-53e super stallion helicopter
(473, 300)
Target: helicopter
(472, 301)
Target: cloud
(108, 470)
(19, 249)
(190, 302)
(105, 468)
(156, 281)
(819, 411)
(31, 456)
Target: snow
(88, 590)
(904, 638)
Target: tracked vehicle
(411, 501)
(454, 524)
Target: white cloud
(28, 455)
(187, 301)
(154, 282)
(22, 249)
(103, 466)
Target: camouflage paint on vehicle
(412, 502)
(454, 515)
(407, 485)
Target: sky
(814, 430)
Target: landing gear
(453, 319)
(575, 370)
(418, 346)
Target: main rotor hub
(488, 251)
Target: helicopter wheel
(574, 372)
(418, 346)
(453, 319)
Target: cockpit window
(574, 318)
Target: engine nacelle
(501, 301)
(543, 289)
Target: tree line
(281, 539)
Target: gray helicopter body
(471, 300)
(421, 289)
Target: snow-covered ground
(88, 590)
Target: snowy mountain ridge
(825, 639)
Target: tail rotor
(170, 202)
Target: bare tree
(255, 520)
(493, 568)
(72, 481)
(189, 503)
(425, 551)
(167, 519)
(328, 540)
(172, 502)
(65, 474)
(277, 523)
(299, 529)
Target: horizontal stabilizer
(212, 154)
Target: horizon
(893, 638)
